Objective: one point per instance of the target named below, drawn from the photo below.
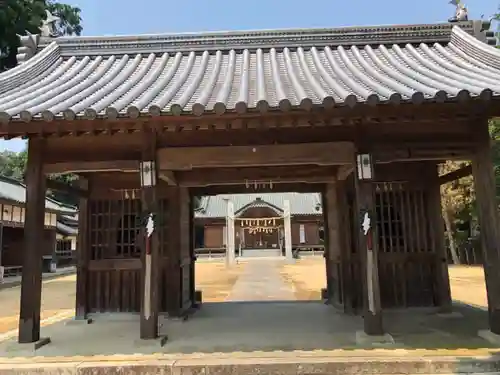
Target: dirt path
(308, 277)
(467, 285)
(262, 281)
(58, 297)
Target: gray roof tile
(194, 73)
(300, 203)
(15, 191)
(66, 229)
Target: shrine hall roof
(152, 75)
(15, 191)
(300, 203)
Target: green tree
(457, 198)
(20, 16)
(13, 165)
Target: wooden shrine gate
(215, 109)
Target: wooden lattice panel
(114, 228)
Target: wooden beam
(66, 188)
(186, 158)
(344, 171)
(242, 189)
(455, 175)
(253, 175)
(92, 166)
(31, 283)
(168, 177)
(389, 153)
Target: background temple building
(258, 237)
(12, 218)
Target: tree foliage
(457, 198)
(20, 16)
(13, 165)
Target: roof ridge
(12, 180)
(257, 199)
(253, 39)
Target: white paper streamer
(369, 281)
(147, 288)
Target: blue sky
(122, 17)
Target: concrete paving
(261, 281)
(275, 323)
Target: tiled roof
(15, 191)
(114, 77)
(66, 229)
(300, 203)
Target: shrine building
(12, 222)
(360, 115)
(260, 224)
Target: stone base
(79, 321)
(284, 364)
(489, 336)
(198, 297)
(363, 339)
(32, 346)
(153, 343)
(450, 315)
(324, 294)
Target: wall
(15, 216)
(13, 242)
(214, 236)
(311, 231)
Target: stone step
(234, 364)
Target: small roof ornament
(461, 13)
(48, 28)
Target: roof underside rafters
(89, 78)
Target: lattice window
(63, 246)
(402, 218)
(114, 226)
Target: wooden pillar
(150, 253)
(31, 284)
(288, 230)
(1, 245)
(442, 279)
(326, 241)
(230, 247)
(179, 257)
(82, 255)
(368, 244)
(334, 241)
(192, 253)
(484, 183)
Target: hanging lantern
(364, 166)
